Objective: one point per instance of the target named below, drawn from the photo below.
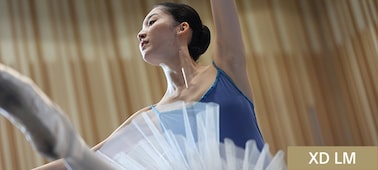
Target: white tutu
(183, 136)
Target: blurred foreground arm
(43, 123)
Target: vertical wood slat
(312, 65)
(75, 13)
(64, 75)
(290, 37)
(319, 121)
(365, 84)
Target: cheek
(165, 40)
(163, 31)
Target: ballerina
(174, 37)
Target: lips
(143, 44)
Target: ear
(183, 28)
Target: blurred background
(312, 66)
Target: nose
(141, 35)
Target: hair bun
(200, 42)
(205, 38)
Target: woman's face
(157, 39)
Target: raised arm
(229, 48)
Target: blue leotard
(237, 117)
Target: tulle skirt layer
(183, 136)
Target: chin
(150, 60)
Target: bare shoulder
(239, 76)
(128, 120)
(209, 69)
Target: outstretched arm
(229, 47)
(56, 165)
(43, 123)
(59, 164)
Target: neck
(179, 75)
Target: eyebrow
(149, 17)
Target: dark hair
(201, 34)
